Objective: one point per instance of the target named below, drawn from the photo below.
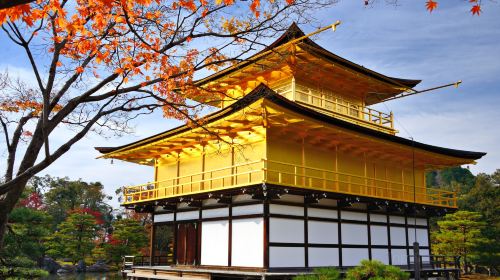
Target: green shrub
(21, 268)
(326, 273)
(376, 270)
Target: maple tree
(97, 64)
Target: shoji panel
(354, 234)
(286, 257)
(322, 232)
(286, 230)
(323, 257)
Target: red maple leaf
(476, 10)
(431, 5)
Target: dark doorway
(163, 244)
(186, 243)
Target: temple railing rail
(289, 175)
(435, 262)
(331, 104)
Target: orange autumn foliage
(431, 5)
(124, 37)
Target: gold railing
(289, 175)
(217, 179)
(329, 104)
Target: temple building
(294, 171)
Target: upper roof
(294, 32)
(263, 92)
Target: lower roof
(264, 92)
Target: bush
(376, 270)
(327, 273)
(21, 268)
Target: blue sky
(402, 41)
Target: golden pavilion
(294, 171)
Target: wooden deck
(198, 273)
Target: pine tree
(75, 238)
(459, 234)
(128, 238)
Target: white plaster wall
(399, 257)
(381, 255)
(248, 209)
(214, 243)
(323, 257)
(286, 230)
(354, 216)
(189, 215)
(322, 232)
(160, 218)
(322, 213)
(354, 234)
(286, 210)
(397, 219)
(379, 235)
(214, 213)
(422, 237)
(248, 242)
(286, 257)
(352, 256)
(398, 236)
(378, 218)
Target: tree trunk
(4, 4)
(6, 206)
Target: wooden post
(416, 260)
(202, 184)
(336, 167)
(152, 238)
(365, 172)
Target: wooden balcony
(328, 103)
(287, 175)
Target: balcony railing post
(211, 180)
(265, 169)
(349, 184)
(295, 175)
(324, 180)
(392, 120)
